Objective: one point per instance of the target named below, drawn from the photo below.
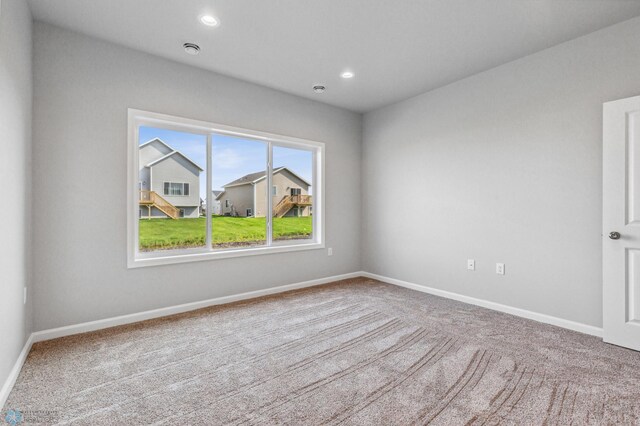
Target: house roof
(173, 152)
(258, 176)
(149, 142)
(218, 194)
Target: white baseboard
(53, 333)
(15, 371)
(69, 330)
(547, 319)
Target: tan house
(246, 196)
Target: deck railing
(152, 198)
(290, 201)
(301, 200)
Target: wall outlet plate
(471, 264)
(500, 268)
(330, 251)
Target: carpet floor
(354, 352)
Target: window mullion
(209, 219)
(269, 196)
(314, 199)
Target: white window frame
(136, 259)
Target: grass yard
(226, 231)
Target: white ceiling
(397, 48)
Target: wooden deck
(153, 199)
(291, 201)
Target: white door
(621, 223)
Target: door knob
(614, 235)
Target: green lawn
(226, 231)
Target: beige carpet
(353, 352)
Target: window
(239, 167)
(188, 161)
(171, 168)
(175, 189)
(293, 169)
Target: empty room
(310, 212)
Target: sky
(233, 157)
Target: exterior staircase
(153, 199)
(290, 201)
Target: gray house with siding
(169, 182)
(246, 196)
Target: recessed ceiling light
(347, 74)
(209, 20)
(319, 88)
(191, 48)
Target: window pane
(170, 163)
(239, 192)
(292, 206)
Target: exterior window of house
(176, 188)
(176, 165)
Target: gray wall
(15, 172)
(83, 88)
(504, 166)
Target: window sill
(195, 255)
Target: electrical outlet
(500, 268)
(24, 295)
(471, 264)
(330, 251)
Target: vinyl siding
(177, 169)
(240, 199)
